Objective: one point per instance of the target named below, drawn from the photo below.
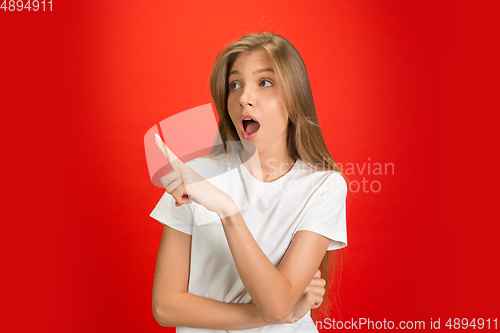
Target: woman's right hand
(311, 299)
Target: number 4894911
(29, 5)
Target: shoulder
(336, 181)
(325, 180)
(334, 185)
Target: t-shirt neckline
(248, 175)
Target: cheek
(233, 104)
(234, 117)
(279, 114)
(283, 111)
(230, 105)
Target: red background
(407, 83)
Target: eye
(232, 85)
(264, 81)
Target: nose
(246, 98)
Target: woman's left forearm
(268, 287)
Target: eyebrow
(269, 69)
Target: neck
(269, 165)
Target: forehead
(252, 60)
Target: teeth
(247, 119)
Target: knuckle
(170, 189)
(320, 291)
(163, 182)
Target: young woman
(270, 202)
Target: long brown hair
(304, 137)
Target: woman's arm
(174, 306)
(274, 291)
(199, 312)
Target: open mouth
(250, 126)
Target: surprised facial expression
(254, 94)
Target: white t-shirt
(302, 199)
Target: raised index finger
(174, 161)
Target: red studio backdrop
(393, 83)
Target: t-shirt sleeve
(179, 218)
(328, 216)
